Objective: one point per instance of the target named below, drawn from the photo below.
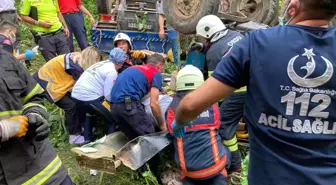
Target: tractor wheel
(183, 15)
(262, 11)
(104, 6)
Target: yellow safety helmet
(189, 78)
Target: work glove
(38, 127)
(196, 46)
(138, 54)
(180, 129)
(16, 126)
(29, 54)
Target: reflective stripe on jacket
(23, 160)
(200, 153)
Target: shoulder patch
(234, 40)
(7, 42)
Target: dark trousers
(135, 122)
(12, 17)
(67, 181)
(75, 22)
(218, 179)
(87, 113)
(71, 115)
(53, 45)
(231, 111)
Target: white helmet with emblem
(209, 25)
(122, 36)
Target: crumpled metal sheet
(141, 149)
(116, 148)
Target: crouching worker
(58, 76)
(93, 88)
(8, 30)
(200, 153)
(26, 155)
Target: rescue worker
(72, 12)
(162, 33)
(26, 154)
(200, 153)
(8, 32)
(58, 76)
(94, 88)
(135, 57)
(48, 26)
(8, 13)
(130, 88)
(219, 41)
(289, 110)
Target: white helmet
(122, 36)
(189, 78)
(209, 25)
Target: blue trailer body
(103, 40)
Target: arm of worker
(156, 108)
(108, 84)
(61, 18)
(161, 21)
(73, 69)
(33, 108)
(25, 11)
(154, 100)
(82, 8)
(231, 73)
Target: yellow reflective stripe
(210, 73)
(233, 148)
(166, 88)
(170, 93)
(231, 144)
(243, 89)
(28, 105)
(231, 141)
(107, 105)
(37, 90)
(8, 114)
(46, 173)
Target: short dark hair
(156, 59)
(319, 9)
(7, 25)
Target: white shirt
(96, 82)
(6, 5)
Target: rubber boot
(88, 127)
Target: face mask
(285, 18)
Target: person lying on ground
(290, 105)
(200, 153)
(135, 57)
(58, 76)
(26, 154)
(93, 88)
(8, 32)
(48, 26)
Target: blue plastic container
(196, 59)
(103, 40)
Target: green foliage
(142, 21)
(245, 164)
